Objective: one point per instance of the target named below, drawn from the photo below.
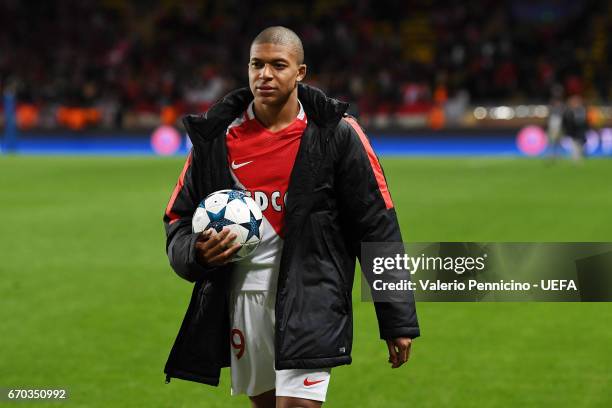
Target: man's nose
(266, 71)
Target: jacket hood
(319, 108)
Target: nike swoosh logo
(237, 166)
(309, 383)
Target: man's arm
(365, 196)
(193, 256)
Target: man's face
(273, 73)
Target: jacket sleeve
(180, 240)
(365, 199)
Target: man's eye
(280, 66)
(256, 64)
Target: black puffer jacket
(337, 198)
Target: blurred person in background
(576, 124)
(555, 126)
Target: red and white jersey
(261, 162)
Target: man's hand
(214, 249)
(399, 350)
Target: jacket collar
(320, 108)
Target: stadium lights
(480, 113)
(541, 111)
(522, 111)
(504, 112)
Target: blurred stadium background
(76, 75)
(452, 94)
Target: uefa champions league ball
(235, 210)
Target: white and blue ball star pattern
(236, 211)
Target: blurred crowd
(115, 64)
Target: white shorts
(252, 344)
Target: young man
(282, 317)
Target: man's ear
(301, 72)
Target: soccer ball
(235, 210)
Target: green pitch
(89, 303)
